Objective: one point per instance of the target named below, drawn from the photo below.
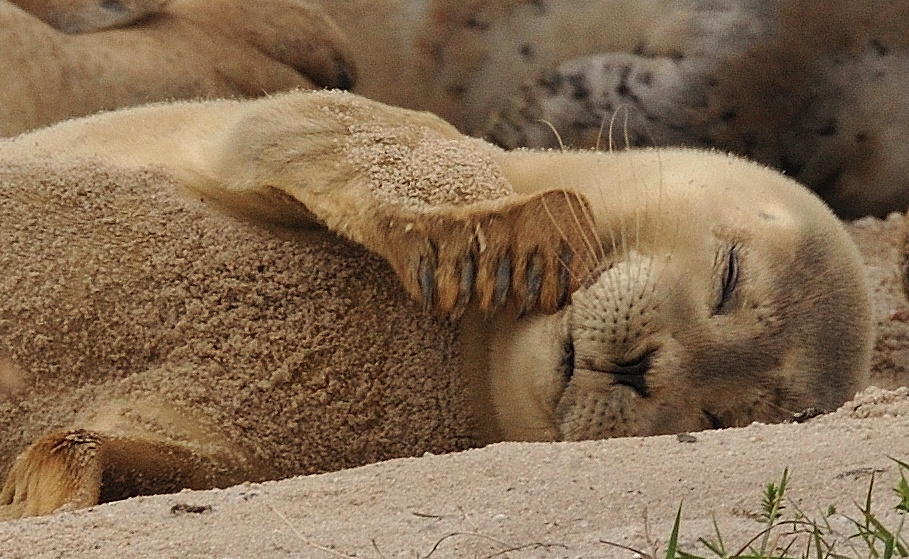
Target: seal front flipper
(532, 251)
(411, 188)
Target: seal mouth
(633, 373)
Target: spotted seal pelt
(815, 90)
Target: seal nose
(633, 373)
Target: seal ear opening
(714, 420)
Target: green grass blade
(673, 543)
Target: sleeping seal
(155, 316)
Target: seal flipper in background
(89, 16)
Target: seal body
(815, 90)
(139, 323)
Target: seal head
(727, 294)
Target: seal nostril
(633, 373)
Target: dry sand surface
(536, 500)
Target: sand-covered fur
(186, 49)
(151, 341)
(216, 350)
(181, 305)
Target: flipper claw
(534, 280)
(426, 277)
(503, 283)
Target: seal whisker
(590, 244)
(615, 113)
(555, 132)
(676, 236)
(625, 128)
(638, 216)
(599, 251)
(596, 145)
(594, 244)
(664, 265)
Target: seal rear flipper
(58, 471)
(120, 449)
(78, 468)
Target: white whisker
(554, 133)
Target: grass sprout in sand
(797, 536)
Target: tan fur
(189, 49)
(85, 16)
(167, 278)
